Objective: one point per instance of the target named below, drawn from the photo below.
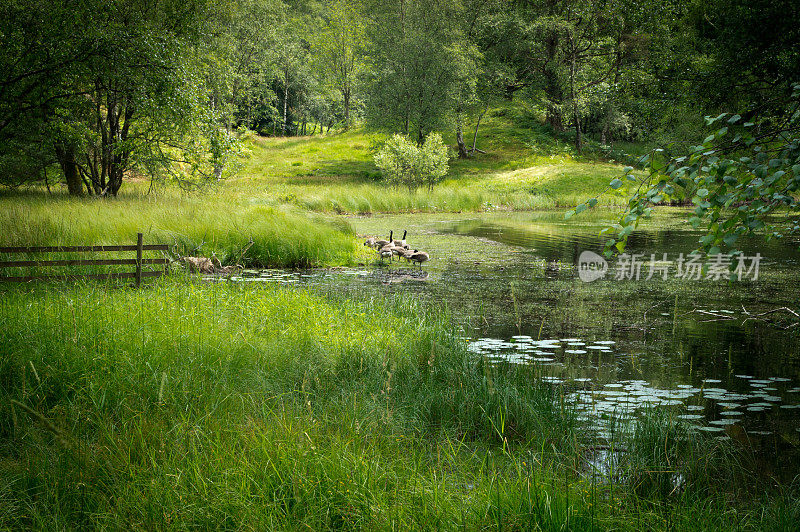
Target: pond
(718, 355)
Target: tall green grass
(192, 225)
(501, 192)
(196, 405)
(212, 405)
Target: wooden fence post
(139, 245)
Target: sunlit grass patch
(523, 169)
(192, 225)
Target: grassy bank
(524, 168)
(216, 405)
(282, 236)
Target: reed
(223, 405)
(191, 225)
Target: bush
(404, 163)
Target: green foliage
(421, 65)
(737, 178)
(123, 93)
(239, 64)
(403, 163)
(338, 50)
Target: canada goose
(385, 251)
(370, 242)
(406, 254)
(380, 243)
(401, 243)
(391, 249)
(419, 257)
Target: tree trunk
(553, 118)
(552, 87)
(477, 125)
(575, 109)
(462, 149)
(285, 104)
(346, 98)
(69, 165)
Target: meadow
(281, 236)
(525, 167)
(288, 191)
(218, 405)
(192, 404)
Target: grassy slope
(226, 406)
(283, 179)
(523, 169)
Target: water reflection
(685, 346)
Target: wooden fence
(138, 262)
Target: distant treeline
(93, 91)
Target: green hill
(523, 168)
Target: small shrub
(404, 163)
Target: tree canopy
(93, 92)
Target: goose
(391, 249)
(419, 257)
(380, 243)
(385, 251)
(406, 253)
(370, 242)
(401, 243)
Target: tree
(338, 49)
(240, 63)
(123, 85)
(742, 174)
(44, 46)
(404, 163)
(418, 66)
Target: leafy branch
(738, 178)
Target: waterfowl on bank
(419, 257)
(386, 251)
(370, 242)
(381, 243)
(406, 253)
(401, 243)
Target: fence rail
(138, 262)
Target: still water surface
(695, 347)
